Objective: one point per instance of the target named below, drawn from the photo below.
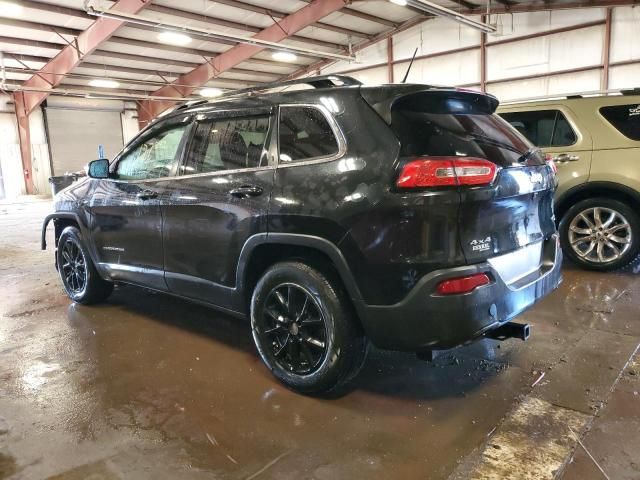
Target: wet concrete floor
(148, 386)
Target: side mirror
(99, 168)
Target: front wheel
(304, 329)
(601, 234)
(79, 277)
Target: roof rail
(577, 95)
(631, 91)
(320, 81)
(189, 103)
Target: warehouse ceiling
(141, 61)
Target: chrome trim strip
(222, 172)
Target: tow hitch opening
(510, 330)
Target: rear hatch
(452, 139)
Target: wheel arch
(263, 250)
(584, 191)
(61, 220)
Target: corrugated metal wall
(449, 54)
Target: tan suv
(595, 143)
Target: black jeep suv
(408, 215)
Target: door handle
(246, 191)
(147, 195)
(565, 157)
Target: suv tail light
(462, 284)
(446, 172)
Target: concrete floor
(147, 386)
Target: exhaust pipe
(509, 330)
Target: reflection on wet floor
(148, 386)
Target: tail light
(459, 285)
(446, 172)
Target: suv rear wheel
(79, 277)
(304, 330)
(601, 234)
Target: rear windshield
(625, 118)
(453, 130)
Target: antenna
(404, 80)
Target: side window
(305, 134)
(625, 118)
(563, 134)
(544, 128)
(228, 144)
(156, 157)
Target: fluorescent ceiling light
(174, 38)
(440, 11)
(284, 56)
(104, 83)
(10, 9)
(402, 3)
(210, 92)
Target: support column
(606, 61)
(390, 58)
(483, 58)
(24, 137)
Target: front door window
(155, 157)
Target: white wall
(545, 57)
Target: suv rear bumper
(424, 320)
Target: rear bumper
(424, 320)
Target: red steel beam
(199, 76)
(71, 55)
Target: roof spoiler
(382, 99)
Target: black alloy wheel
(294, 326)
(74, 267)
(305, 328)
(79, 276)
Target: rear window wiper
(528, 154)
(495, 143)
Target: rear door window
(544, 128)
(305, 134)
(625, 119)
(228, 144)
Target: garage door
(75, 136)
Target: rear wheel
(304, 330)
(79, 277)
(601, 234)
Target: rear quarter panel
(616, 158)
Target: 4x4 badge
(480, 245)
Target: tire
(304, 329)
(78, 274)
(613, 244)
